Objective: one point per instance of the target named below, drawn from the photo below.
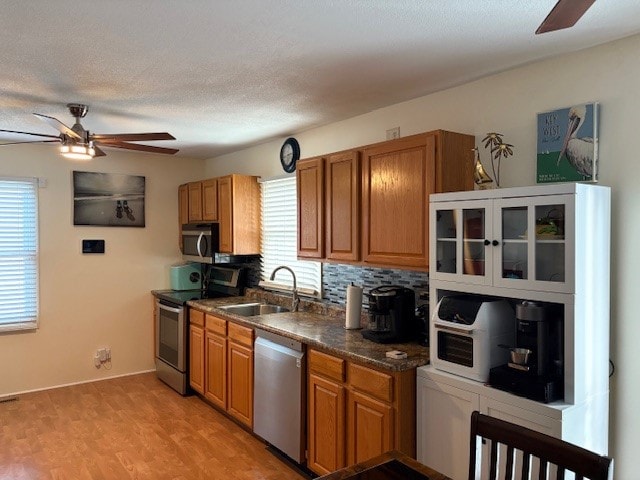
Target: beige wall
(508, 103)
(92, 301)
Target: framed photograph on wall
(108, 199)
(567, 149)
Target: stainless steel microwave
(200, 242)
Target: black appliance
(391, 315)
(172, 325)
(536, 366)
(200, 242)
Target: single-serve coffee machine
(391, 314)
(536, 364)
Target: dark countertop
(322, 330)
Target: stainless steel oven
(171, 345)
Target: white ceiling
(222, 75)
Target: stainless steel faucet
(295, 300)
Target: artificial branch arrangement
(499, 150)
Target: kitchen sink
(251, 309)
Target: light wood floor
(127, 428)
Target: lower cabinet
(445, 403)
(356, 413)
(221, 364)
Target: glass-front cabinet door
(534, 248)
(461, 231)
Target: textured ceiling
(224, 75)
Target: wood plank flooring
(127, 428)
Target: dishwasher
(279, 393)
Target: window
(279, 247)
(18, 253)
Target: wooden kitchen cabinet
(239, 214)
(195, 202)
(196, 351)
(215, 387)
(240, 373)
(210, 200)
(376, 198)
(310, 195)
(342, 194)
(183, 210)
(378, 409)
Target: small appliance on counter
(391, 315)
(185, 276)
(466, 333)
(536, 365)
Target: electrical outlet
(393, 133)
(96, 360)
(102, 353)
(108, 352)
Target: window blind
(279, 237)
(18, 253)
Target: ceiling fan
(80, 144)
(565, 14)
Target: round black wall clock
(289, 154)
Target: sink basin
(251, 309)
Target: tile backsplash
(336, 278)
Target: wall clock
(289, 154)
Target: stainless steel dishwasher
(278, 393)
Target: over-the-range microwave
(200, 242)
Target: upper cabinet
(234, 202)
(375, 198)
(522, 238)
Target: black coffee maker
(536, 364)
(391, 314)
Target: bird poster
(568, 144)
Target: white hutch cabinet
(543, 243)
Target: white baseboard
(76, 383)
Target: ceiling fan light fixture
(78, 152)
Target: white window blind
(279, 227)
(18, 253)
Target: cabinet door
(461, 235)
(196, 358)
(240, 382)
(210, 200)
(225, 213)
(370, 427)
(183, 210)
(342, 193)
(216, 369)
(397, 178)
(443, 427)
(535, 250)
(326, 425)
(195, 201)
(310, 193)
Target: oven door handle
(200, 237)
(449, 328)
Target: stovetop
(181, 297)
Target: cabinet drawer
(240, 334)
(373, 382)
(326, 365)
(196, 317)
(216, 325)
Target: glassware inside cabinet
(515, 239)
(550, 243)
(473, 236)
(446, 233)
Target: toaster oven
(467, 332)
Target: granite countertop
(322, 330)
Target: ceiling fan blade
(58, 125)
(565, 14)
(142, 148)
(132, 137)
(32, 141)
(29, 133)
(98, 152)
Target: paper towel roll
(354, 307)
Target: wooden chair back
(549, 450)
